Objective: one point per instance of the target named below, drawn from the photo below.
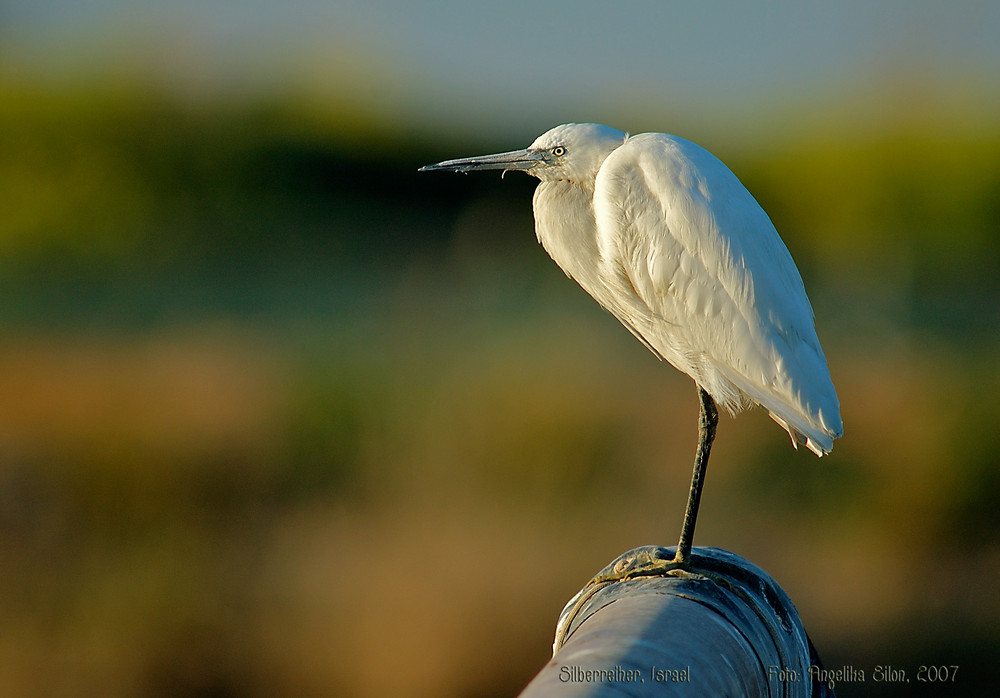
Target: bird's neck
(565, 225)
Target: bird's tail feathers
(799, 438)
(805, 424)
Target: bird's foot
(648, 561)
(644, 562)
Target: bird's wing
(692, 264)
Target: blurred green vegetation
(280, 415)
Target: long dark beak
(523, 160)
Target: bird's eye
(558, 151)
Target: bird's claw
(644, 562)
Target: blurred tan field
(280, 416)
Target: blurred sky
(501, 65)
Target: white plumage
(663, 235)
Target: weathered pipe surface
(643, 627)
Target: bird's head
(571, 152)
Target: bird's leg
(652, 561)
(708, 419)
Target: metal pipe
(719, 626)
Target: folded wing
(694, 267)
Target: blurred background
(280, 416)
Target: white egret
(664, 236)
